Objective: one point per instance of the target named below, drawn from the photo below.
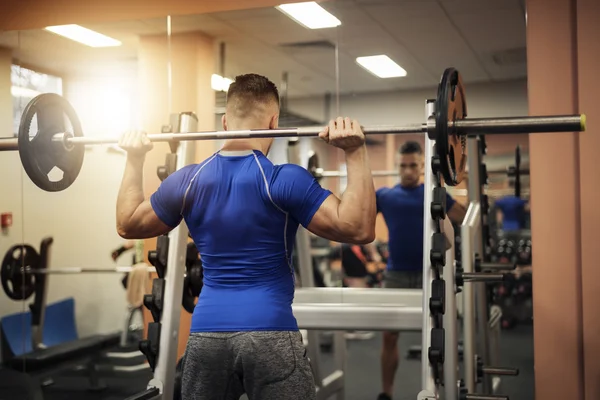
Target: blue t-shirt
(403, 212)
(513, 212)
(243, 213)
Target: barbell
(21, 265)
(57, 145)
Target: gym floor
(363, 379)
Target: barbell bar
(79, 270)
(54, 145)
(505, 125)
(321, 173)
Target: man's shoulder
(289, 171)
(183, 173)
(191, 169)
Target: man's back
(243, 213)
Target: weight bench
(63, 349)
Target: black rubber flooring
(362, 374)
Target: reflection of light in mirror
(381, 66)
(104, 105)
(83, 35)
(18, 91)
(219, 83)
(310, 14)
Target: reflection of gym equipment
(52, 346)
(56, 349)
(24, 273)
(22, 270)
(513, 247)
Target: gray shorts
(403, 279)
(266, 365)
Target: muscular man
(402, 209)
(243, 213)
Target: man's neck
(245, 144)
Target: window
(25, 85)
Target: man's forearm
(357, 206)
(131, 192)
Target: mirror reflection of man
(511, 211)
(402, 207)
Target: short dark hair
(250, 88)
(410, 147)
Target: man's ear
(224, 122)
(274, 123)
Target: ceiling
(484, 39)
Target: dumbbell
(524, 251)
(524, 286)
(506, 287)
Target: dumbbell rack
(481, 321)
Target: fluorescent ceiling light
(310, 14)
(19, 91)
(381, 66)
(220, 84)
(83, 35)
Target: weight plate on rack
(18, 283)
(451, 145)
(39, 154)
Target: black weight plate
(18, 283)
(188, 301)
(39, 154)
(450, 144)
(196, 275)
(313, 164)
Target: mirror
(184, 62)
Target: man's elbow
(363, 236)
(125, 231)
(366, 239)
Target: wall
(562, 45)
